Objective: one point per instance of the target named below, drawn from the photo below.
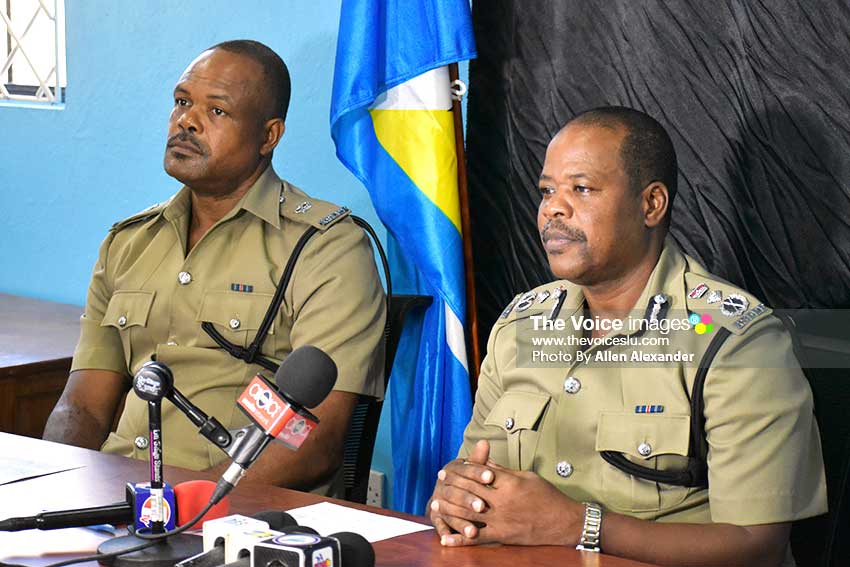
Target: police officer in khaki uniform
(588, 438)
(214, 253)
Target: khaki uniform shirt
(148, 298)
(554, 418)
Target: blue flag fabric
(392, 125)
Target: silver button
(184, 278)
(141, 442)
(234, 323)
(572, 385)
(645, 449)
(660, 298)
(172, 343)
(509, 423)
(282, 198)
(122, 320)
(564, 469)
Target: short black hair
(646, 151)
(275, 73)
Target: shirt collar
(262, 200)
(667, 277)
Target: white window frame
(48, 89)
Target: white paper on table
(327, 519)
(17, 469)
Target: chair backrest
(824, 541)
(360, 440)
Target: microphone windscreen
(355, 549)
(300, 530)
(276, 519)
(307, 376)
(192, 496)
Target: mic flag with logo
(393, 128)
(274, 415)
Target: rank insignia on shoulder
(734, 304)
(543, 296)
(657, 307)
(698, 291)
(526, 301)
(241, 287)
(714, 296)
(507, 310)
(303, 207)
(649, 408)
(330, 218)
(560, 295)
(750, 315)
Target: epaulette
(736, 309)
(547, 299)
(142, 215)
(297, 206)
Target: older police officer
(214, 253)
(607, 449)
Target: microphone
(301, 549)
(152, 391)
(154, 379)
(296, 550)
(303, 380)
(189, 499)
(135, 509)
(193, 496)
(221, 535)
(276, 519)
(355, 549)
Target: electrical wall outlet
(375, 491)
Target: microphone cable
(151, 540)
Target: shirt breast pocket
(654, 441)
(519, 414)
(236, 317)
(128, 312)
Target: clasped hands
(477, 501)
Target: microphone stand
(155, 456)
(153, 387)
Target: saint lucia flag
(393, 128)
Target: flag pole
(463, 194)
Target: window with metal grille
(32, 59)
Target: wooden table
(37, 340)
(101, 481)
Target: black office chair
(824, 353)
(360, 441)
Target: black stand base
(163, 554)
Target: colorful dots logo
(702, 323)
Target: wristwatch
(592, 531)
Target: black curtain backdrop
(754, 94)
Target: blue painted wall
(67, 175)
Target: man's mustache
(185, 136)
(556, 229)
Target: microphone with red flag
(279, 411)
(288, 423)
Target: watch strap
(591, 532)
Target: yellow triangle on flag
(422, 143)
